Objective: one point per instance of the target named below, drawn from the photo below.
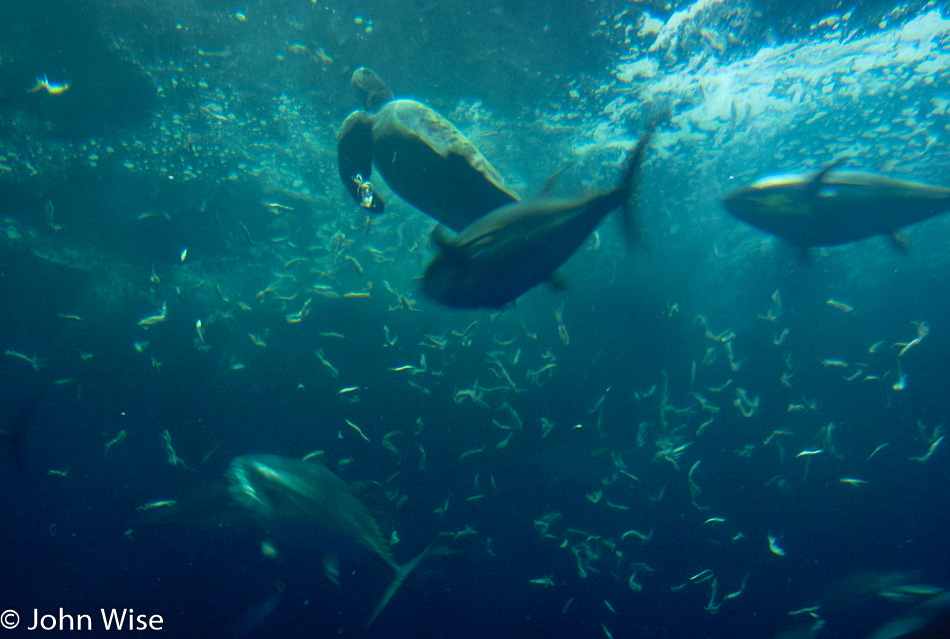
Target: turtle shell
(433, 166)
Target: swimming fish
(509, 251)
(831, 207)
(281, 488)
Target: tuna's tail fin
(630, 186)
(401, 573)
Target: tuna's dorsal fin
(362, 486)
(804, 254)
(442, 238)
(814, 185)
(552, 180)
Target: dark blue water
(211, 127)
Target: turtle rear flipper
(354, 148)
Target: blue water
(210, 127)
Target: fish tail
(630, 186)
(401, 573)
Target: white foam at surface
(781, 87)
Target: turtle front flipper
(354, 148)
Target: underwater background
(706, 437)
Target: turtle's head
(370, 88)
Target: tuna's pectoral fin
(900, 242)
(558, 281)
(507, 306)
(401, 573)
(441, 238)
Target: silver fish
(506, 253)
(830, 207)
(282, 488)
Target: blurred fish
(506, 253)
(285, 489)
(830, 207)
(13, 433)
(862, 596)
(929, 619)
(255, 616)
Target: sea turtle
(422, 156)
